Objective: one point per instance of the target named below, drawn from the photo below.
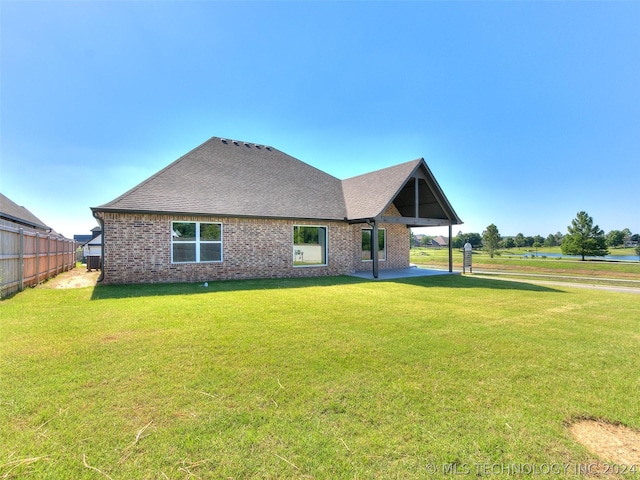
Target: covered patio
(417, 197)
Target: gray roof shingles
(237, 179)
(14, 212)
(233, 178)
(368, 195)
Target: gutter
(101, 222)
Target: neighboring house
(92, 250)
(440, 241)
(82, 239)
(230, 209)
(629, 241)
(12, 214)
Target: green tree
(615, 238)
(426, 240)
(584, 238)
(559, 237)
(458, 240)
(519, 240)
(475, 239)
(550, 241)
(491, 239)
(507, 243)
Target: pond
(620, 258)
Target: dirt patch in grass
(78, 277)
(612, 443)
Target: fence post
(69, 254)
(48, 256)
(57, 256)
(21, 259)
(37, 258)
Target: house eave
(23, 222)
(212, 214)
(408, 221)
(418, 222)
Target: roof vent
(247, 145)
(223, 140)
(235, 142)
(268, 148)
(258, 147)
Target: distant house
(630, 241)
(82, 239)
(231, 209)
(440, 241)
(417, 239)
(92, 249)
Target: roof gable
(369, 195)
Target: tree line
(582, 238)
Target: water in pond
(621, 258)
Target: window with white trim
(309, 246)
(196, 242)
(366, 244)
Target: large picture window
(309, 246)
(195, 242)
(366, 244)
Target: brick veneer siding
(138, 249)
(398, 244)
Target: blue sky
(526, 112)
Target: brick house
(235, 210)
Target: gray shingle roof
(233, 178)
(368, 195)
(14, 212)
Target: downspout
(101, 222)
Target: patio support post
(374, 248)
(450, 250)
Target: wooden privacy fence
(29, 257)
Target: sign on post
(466, 263)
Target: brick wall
(138, 249)
(398, 246)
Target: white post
(468, 252)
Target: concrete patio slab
(412, 271)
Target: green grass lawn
(318, 378)
(439, 258)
